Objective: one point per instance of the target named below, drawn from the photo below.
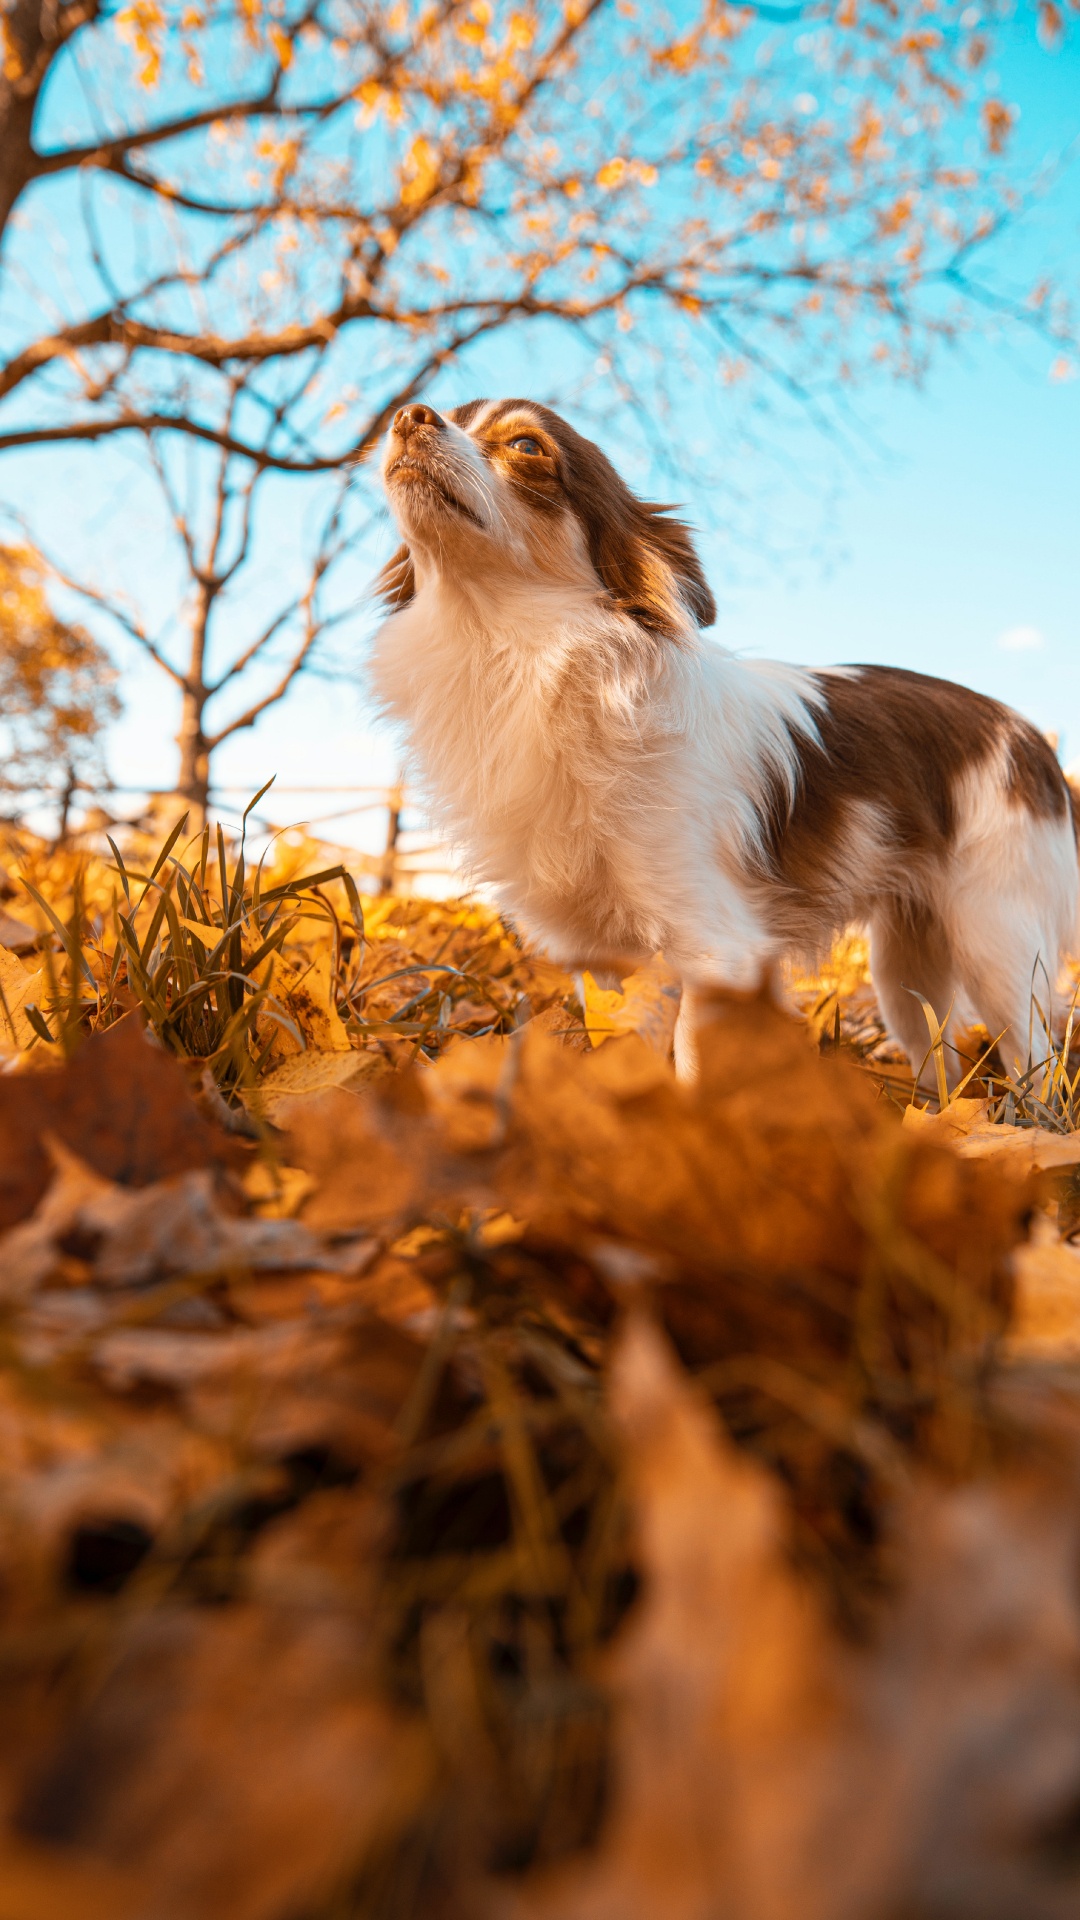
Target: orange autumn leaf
(997, 119)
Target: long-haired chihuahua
(626, 785)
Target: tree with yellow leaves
(56, 685)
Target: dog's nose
(406, 418)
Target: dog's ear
(675, 542)
(395, 585)
(645, 559)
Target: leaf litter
(451, 1469)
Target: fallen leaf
(132, 1236)
(304, 983)
(466, 1090)
(312, 1072)
(954, 1123)
(121, 1104)
(561, 1023)
(20, 987)
(647, 1004)
(363, 1178)
(15, 935)
(966, 1125)
(714, 1674)
(773, 1161)
(279, 1389)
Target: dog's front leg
(685, 1043)
(708, 997)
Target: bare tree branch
(276, 693)
(93, 430)
(115, 610)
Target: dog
(627, 786)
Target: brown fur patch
(901, 741)
(464, 415)
(395, 584)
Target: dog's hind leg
(1013, 902)
(1010, 985)
(910, 954)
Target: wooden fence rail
(406, 855)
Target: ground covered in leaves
(448, 1469)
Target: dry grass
(238, 964)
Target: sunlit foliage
(56, 683)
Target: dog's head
(507, 487)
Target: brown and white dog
(627, 786)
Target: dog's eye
(525, 445)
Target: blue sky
(960, 555)
(960, 549)
(954, 548)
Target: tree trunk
(32, 34)
(193, 785)
(16, 121)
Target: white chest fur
(593, 774)
(530, 735)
